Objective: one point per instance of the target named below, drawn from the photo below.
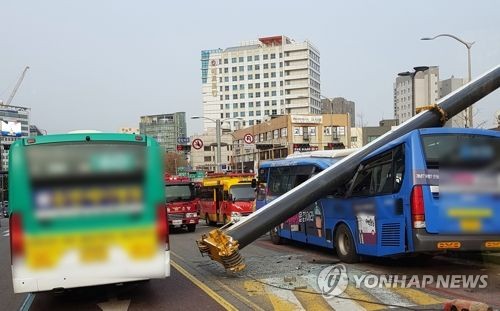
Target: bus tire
(208, 221)
(191, 227)
(345, 246)
(275, 238)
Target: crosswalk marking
(6, 233)
(286, 298)
(417, 296)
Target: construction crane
(223, 245)
(18, 84)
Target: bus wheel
(275, 238)
(191, 227)
(344, 243)
(208, 221)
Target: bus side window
(374, 177)
(399, 168)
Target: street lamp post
(218, 134)
(468, 45)
(412, 75)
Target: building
(278, 137)
(339, 105)
(129, 130)
(446, 87)
(426, 92)
(205, 157)
(361, 136)
(267, 77)
(165, 128)
(35, 131)
(14, 125)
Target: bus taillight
(417, 207)
(16, 236)
(162, 225)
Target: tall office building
(269, 76)
(165, 128)
(14, 122)
(339, 105)
(446, 87)
(426, 91)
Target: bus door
(218, 198)
(376, 199)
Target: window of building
(273, 93)
(274, 112)
(273, 65)
(228, 115)
(207, 149)
(250, 104)
(266, 103)
(265, 56)
(234, 78)
(250, 95)
(207, 158)
(220, 97)
(273, 56)
(234, 69)
(274, 102)
(257, 113)
(222, 115)
(235, 87)
(226, 61)
(226, 70)
(257, 94)
(250, 86)
(226, 97)
(250, 113)
(266, 66)
(273, 84)
(273, 74)
(250, 67)
(242, 77)
(266, 112)
(242, 114)
(233, 60)
(257, 67)
(235, 105)
(256, 57)
(242, 86)
(257, 76)
(235, 96)
(241, 68)
(266, 75)
(266, 94)
(226, 79)
(257, 85)
(257, 104)
(242, 95)
(250, 122)
(266, 84)
(241, 59)
(249, 58)
(235, 114)
(221, 106)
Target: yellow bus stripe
(224, 303)
(419, 297)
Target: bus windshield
(175, 193)
(242, 193)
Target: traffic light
(185, 148)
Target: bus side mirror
(254, 183)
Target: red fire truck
(182, 209)
(227, 197)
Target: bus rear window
(461, 151)
(72, 179)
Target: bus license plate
(177, 222)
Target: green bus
(86, 209)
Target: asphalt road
(278, 277)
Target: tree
(173, 160)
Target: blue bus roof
(320, 162)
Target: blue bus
(428, 191)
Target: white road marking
(283, 294)
(6, 233)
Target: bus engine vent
(391, 234)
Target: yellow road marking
(223, 302)
(357, 293)
(417, 296)
(255, 288)
(311, 301)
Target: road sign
(182, 140)
(197, 143)
(248, 138)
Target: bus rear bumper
(25, 280)
(428, 242)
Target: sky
(102, 64)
